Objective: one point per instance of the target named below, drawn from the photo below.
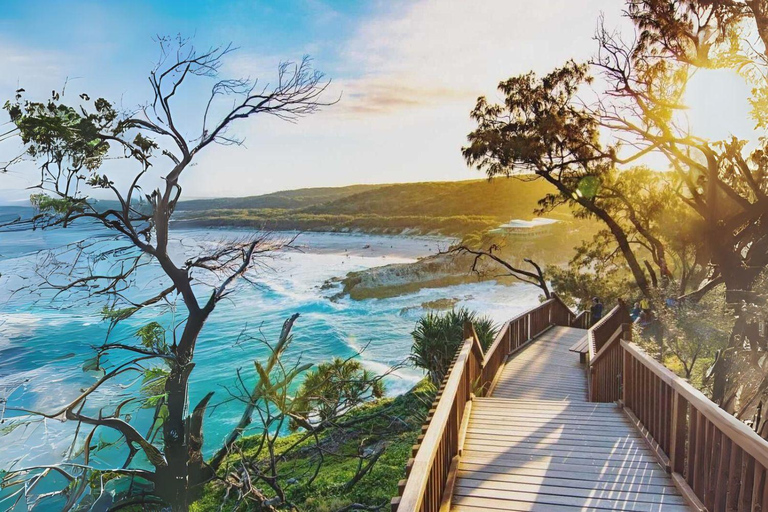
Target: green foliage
(576, 285)
(52, 205)
(391, 422)
(290, 220)
(696, 331)
(115, 315)
(452, 208)
(541, 125)
(74, 140)
(152, 336)
(438, 336)
(64, 132)
(153, 384)
(335, 387)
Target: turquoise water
(44, 342)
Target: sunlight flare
(717, 106)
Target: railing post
(678, 433)
(626, 376)
(529, 321)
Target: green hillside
(451, 208)
(500, 198)
(286, 199)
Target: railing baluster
(719, 460)
(678, 433)
(734, 478)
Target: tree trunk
(173, 482)
(616, 230)
(739, 280)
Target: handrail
(581, 320)
(746, 438)
(432, 469)
(596, 336)
(429, 468)
(717, 461)
(612, 340)
(604, 365)
(605, 369)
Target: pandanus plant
(437, 337)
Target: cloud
(388, 94)
(430, 53)
(27, 67)
(408, 77)
(408, 74)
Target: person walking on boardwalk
(596, 310)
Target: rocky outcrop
(435, 271)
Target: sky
(407, 74)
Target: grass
(395, 423)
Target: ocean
(45, 341)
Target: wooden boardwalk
(537, 443)
(519, 427)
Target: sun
(717, 102)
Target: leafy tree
(579, 138)
(437, 337)
(695, 331)
(333, 388)
(76, 147)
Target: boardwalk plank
(536, 444)
(645, 480)
(530, 503)
(501, 489)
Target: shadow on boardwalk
(537, 444)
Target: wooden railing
(716, 461)
(710, 453)
(605, 358)
(432, 471)
(582, 320)
(605, 328)
(427, 473)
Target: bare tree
(75, 147)
(534, 276)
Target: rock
(397, 279)
(440, 304)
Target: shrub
(438, 336)
(333, 388)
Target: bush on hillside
(438, 336)
(333, 388)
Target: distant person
(645, 305)
(643, 320)
(596, 310)
(635, 313)
(646, 322)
